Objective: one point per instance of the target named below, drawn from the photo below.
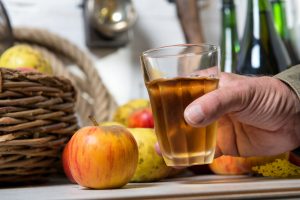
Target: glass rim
(211, 49)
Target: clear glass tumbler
(175, 76)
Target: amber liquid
(180, 143)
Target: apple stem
(92, 118)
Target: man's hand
(258, 116)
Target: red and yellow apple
(66, 165)
(103, 157)
(141, 118)
(229, 165)
(135, 114)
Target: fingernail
(194, 114)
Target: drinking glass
(175, 76)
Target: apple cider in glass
(180, 142)
(175, 76)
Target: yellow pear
(151, 166)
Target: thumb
(211, 106)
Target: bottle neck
(227, 3)
(279, 16)
(262, 52)
(258, 12)
(229, 39)
(228, 14)
(259, 5)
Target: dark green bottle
(279, 16)
(230, 45)
(262, 50)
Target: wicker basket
(38, 113)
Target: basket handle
(103, 103)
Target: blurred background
(157, 25)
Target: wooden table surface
(194, 187)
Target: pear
(151, 166)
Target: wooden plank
(190, 188)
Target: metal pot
(111, 17)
